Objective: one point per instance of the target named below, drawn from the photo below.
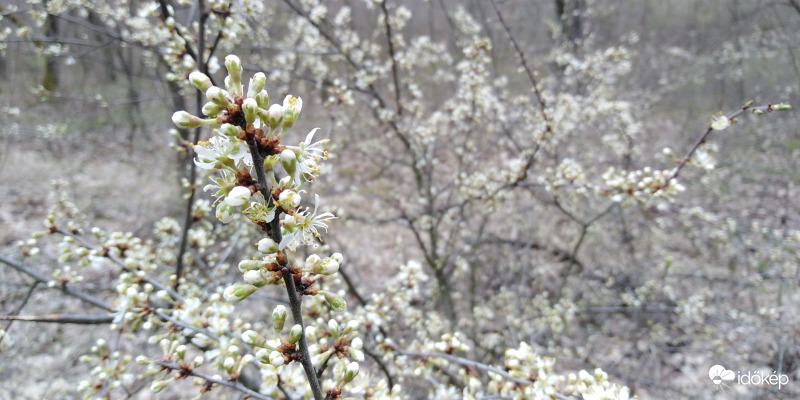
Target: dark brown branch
(295, 302)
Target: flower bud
(218, 97)
(262, 98)
(350, 372)
(228, 364)
(291, 107)
(238, 292)
(211, 109)
(198, 361)
(278, 318)
(720, 122)
(329, 266)
(338, 258)
(274, 115)
(256, 85)
(238, 196)
(180, 351)
(267, 246)
(289, 199)
(295, 334)
(158, 386)
(781, 107)
(262, 355)
(336, 302)
(255, 278)
(184, 120)
(289, 161)
(252, 338)
(276, 359)
(333, 328)
(312, 262)
(200, 80)
(234, 67)
(229, 130)
(225, 212)
(250, 108)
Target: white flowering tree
(508, 212)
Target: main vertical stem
(295, 302)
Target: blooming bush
(512, 219)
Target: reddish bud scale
(272, 267)
(281, 258)
(268, 147)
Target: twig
(395, 75)
(236, 385)
(702, 139)
(111, 256)
(461, 361)
(61, 319)
(64, 288)
(21, 306)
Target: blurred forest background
(525, 214)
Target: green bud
(781, 107)
(274, 116)
(336, 302)
(262, 98)
(219, 97)
(211, 109)
(251, 265)
(295, 334)
(238, 292)
(289, 161)
(158, 386)
(328, 266)
(257, 83)
(255, 278)
(225, 212)
(233, 82)
(234, 66)
(333, 328)
(250, 109)
(184, 120)
(200, 80)
(267, 246)
(252, 338)
(278, 318)
(276, 359)
(350, 372)
(229, 130)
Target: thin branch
(21, 306)
(61, 319)
(64, 288)
(462, 361)
(236, 385)
(113, 257)
(528, 71)
(702, 139)
(395, 75)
